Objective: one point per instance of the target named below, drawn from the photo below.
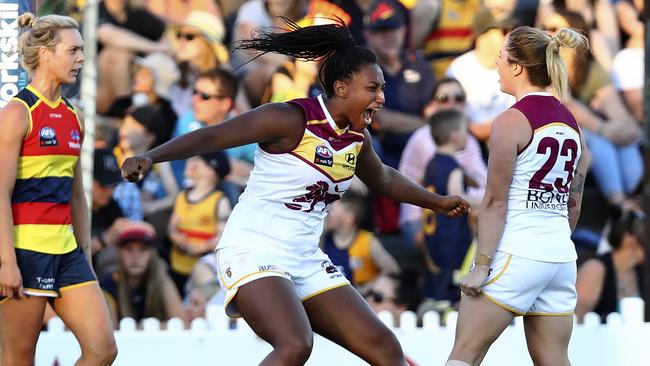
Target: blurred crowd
(169, 67)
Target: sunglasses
(206, 96)
(449, 98)
(378, 297)
(186, 36)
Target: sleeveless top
(537, 225)
(356, 260)
(198, 222)
(40, 202)
(289, 194)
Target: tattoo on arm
(579, 184)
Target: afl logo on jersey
(324, 156)
(48, 137)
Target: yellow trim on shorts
(502, 305)
(80, 284)
(535, 313)
(38, 292)
(323, 290)
(501, 272)
(284, 275)
(227, 302)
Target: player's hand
(471, 284)
(11, 282)
(135, 168)
(452, 206)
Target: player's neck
(527, 89)
(48, 88)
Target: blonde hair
(539, 53)
(41, 32)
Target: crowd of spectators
(167, 68)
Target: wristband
(482, 260)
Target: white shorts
(310, 274)
(529, 287)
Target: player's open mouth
(368, 114)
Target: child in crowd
(446, 240)
(200, 213)
(357, 253)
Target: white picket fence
(624, 340)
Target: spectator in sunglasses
(421, 148)
(395, 293)
(199, 48)
(213, 100)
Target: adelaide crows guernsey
(537, 225)
(289, 194)
(41, 197)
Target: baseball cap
(105, 169)
(217, 160)
(385, 15)
(152, 119)
(139, 231)
(484, 21)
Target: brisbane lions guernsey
(289, 194)
(537, 225)
(41, 197)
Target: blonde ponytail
(556, 67)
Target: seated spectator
(450, 32)
(628, 66)
(395, 293)
(358, 253)
(140, 287)
(199, 215)
(446, 239)
(476, 71)
(213, 101)
(409, 79)
(255, 14)
(610, 131)
(175, 11)
(421, 148)
(142, 130)
(152, 77)
(107, 215)
(123, 31)
(603, 281)
(199, 48)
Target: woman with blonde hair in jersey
(268, 258)
(525, 263)
(42, 200)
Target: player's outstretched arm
(387, 181)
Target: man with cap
(476, 70)
(409, 86)
(107, 215)
(212, 103)
(409, 79)
(200, 214)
